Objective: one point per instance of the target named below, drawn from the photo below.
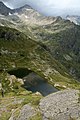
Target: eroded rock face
(26, 112)
(63, 105)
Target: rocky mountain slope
(63, 105)
(47, 46)
(59, 39)
(19, 51)
(4, 10)
(62, 38)
(74, 19)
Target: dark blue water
(44, 88)
(35, 83)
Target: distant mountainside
(17, 50)
(48, 47)
(59, 37)
(26, 15)
(74, 19)
(4, 10)
(25, 12)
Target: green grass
(18, 51)
(5, 116)
(38, 116)
(16, 102)
(62, 38)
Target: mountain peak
(4, 10)
(21, 8)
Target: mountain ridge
(48, 47)
(54, 33)
(4, 10)
(75, 19)
(43, 63)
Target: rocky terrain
(74, 19)
(60, 37)
(50, 48)
(63, 105)
(4, 10)
(33, 56)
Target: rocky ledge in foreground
(63, 105)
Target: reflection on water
(35, 83)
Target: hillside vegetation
(34, 47)
(62, 39)
(19, 51)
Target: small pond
(33, 82)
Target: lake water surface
(35, 83)
(44, 88)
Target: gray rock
(0, 86)
(63, 105)
(26, 112)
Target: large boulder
(27, 112)
(63, 105)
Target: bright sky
(49, 7)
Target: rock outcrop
(26, 112)
(63, 105)
(13, 79)
(4, 10)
